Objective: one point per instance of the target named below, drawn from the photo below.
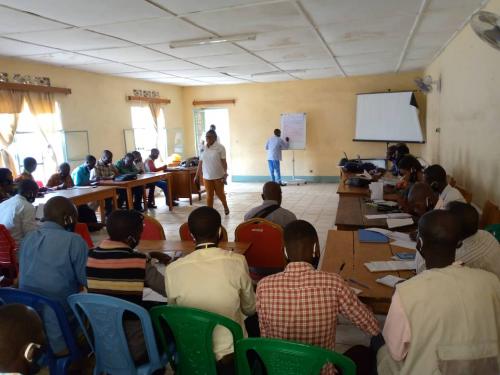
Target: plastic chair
(83, 230)
(153, 230)
(192, 330)
(265, 255)
(109, 343)
(59, 364)
(282, 357)
(491, 214)
(185, 234)
(8, 262)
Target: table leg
(144, 197)
(170, 187)
(102, 211)
(130, 201)
(113, 200)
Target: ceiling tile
(128, 54)
(318, 73)
(221, 80)
(180, 81)
(174, 64)
(196, 73)
(88, 12)
(368, 46)
(14, 48)
(144, 75)
(294, 53)
(243, 70)
(197, 51)
(469, 6)
(307, 64)
(226, 60)
(65, 58)
(274, 78)
(158, 30)
(12, 21)
(414, 64)
(369, 58)
(421, 53)
(70, 39)
(110, 68)
(447, 20)
(254, 19)
(369, 69)
(190, 6)
(281, 39)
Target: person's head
(438, 238)
(300, 241)
(64, 169)
(155, 153)
(90, 162)
(272, 191)
(277, 132)
(107, 157)
(421, 199)
(211, 137)
(125, 226)
(28, 189)
(467, 216)
(128, 159)
(6, 180)
(435, 177)
(62, 211)
(137, 156)
(204, 224)
(401, 150)
(21, 338)
(409, 166)
(391, 151)
(29, 164)
(212, 127)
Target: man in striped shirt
(302, 304)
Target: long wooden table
(186, 247)
(142, 180)
(84, 195)
(183, 183)
(343, 247)
(351, 214)
(345, 190)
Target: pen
(358, 283)
(341, 267)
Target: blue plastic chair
(109, 342)
(60, 364)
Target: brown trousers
(217, 187)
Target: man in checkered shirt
(302, 304)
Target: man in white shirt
(271, 208)
(17, 214)
(435, 177)
(212, 279)
(274, 145)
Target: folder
(370, 236)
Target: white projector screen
(388, 117)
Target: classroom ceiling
(295, 40)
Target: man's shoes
(282, 183)
(152, 205)
(139, 209)
(175, 203)
(226, 211)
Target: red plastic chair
(8, 262)
(153, 230)
(40, 184)
(265, 255)
(185, 234)
(83, 230)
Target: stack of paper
(396, 223)
(391, 265)
(390, 280)
(397, 215)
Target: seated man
(138, 163)
(29, 166)
(81, 174)
(302, 304)
(21, 339)
(435, 177)
(445, 320)
(52, 261)
(421, 199)
(114, 268)
(212, 279)
(149, 166)
(126, 166)
(479, 249)
(6, 184)
(271, 208)
(105, 170)
(17, 214)
(62, 179)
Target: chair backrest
(83, 230)
(8, 261)
(185, 234)
(491, 214)
(466, 194)
(265, 254)
(41, 304)
(153, 230)
(109, 341)
(282, 357)
(192, 330)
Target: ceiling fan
(487, 26)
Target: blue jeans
(274, 166)
(162, 185)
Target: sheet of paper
(406, 244)
(149, 294)
(390, 234)
(390, 280)
(391, 265)
(398, 215)
(84, 187)
(385, 203)
(396, 223)
(356, 290)
(370, 217)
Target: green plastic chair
(494, 229)
(192, 330)
(281, 357)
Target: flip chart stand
(295, 181)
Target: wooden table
(344, 247)
(345, 190)
(187, 247)
(142, 180)
(84, 195)
(183, 185)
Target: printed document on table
(391, 265)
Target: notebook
(370, 236)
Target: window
(29, 140)
(145, 135)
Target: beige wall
(467, 110)
(330, 105)
(97, 102)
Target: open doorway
(203, 119)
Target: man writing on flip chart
(274, 146)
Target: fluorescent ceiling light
(276, 72)
(212, 40)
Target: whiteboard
(388, 117)
(76, 144)
(293, 126)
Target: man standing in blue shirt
(52, 262)
(274, 146)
